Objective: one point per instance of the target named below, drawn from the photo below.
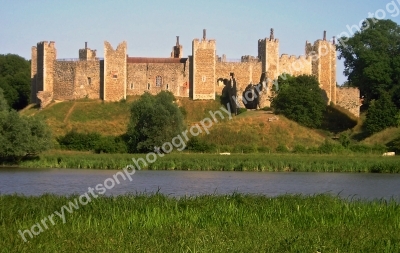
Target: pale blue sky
(150, 26)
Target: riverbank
(234, 223)
(233, 162)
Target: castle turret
(323, 54)
(114, 72)
(203, 80)
(42, 72)
(86, 54)
(268, 53)
(177, 50)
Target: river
(34, 182)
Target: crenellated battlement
(198, 75)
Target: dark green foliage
(79, 141)
(196, 144)
(300, 99)
(282, 149)
(241, 110)
(372, 58)
(15, 80)
(381, 114)
(394, 146)
(20, 136)
(344, 139)
(92, 142)
(154, 121)
(330, 147)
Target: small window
(167, 86)
(89, 81)
(203, 78)
(114, 74)
(131, 86)
(158, 81)
(148, 86)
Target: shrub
(282, 149)
(195, 144)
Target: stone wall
(349, 99)
(323, 55)
(33, 74)
(268, 51)
(204, 59)
(245, 73)
(115, 72)
(77, 79)
(295, 66)
(155, 77)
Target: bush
(299, 149)
(92, 142)
(241, 110)
(329, 147)
(195, 144)
(300, 99)
(282, 149)
(381, 114)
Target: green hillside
(111, 118)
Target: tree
(21, 136)
(300, 99)
(154, 120)
(372, 57)
(381, 114)
(15, 80)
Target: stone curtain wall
(349, 99)
(204, 79)
(141, 77)
(77, 79)
(115, 72)
(295, 66)
(245, 73)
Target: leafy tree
(154, 120)
(381, 114)
(15, 80)
(300, 99)
(21, 136)
(372, 57)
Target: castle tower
(323, 54)
(268, 53)
(42, 70)
(177, 50)
(203, 68)
(33, 75)
(87, 54)
(114, 72)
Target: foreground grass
(232, 223)
(234, 162)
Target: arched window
(167, 86)
(131, 86)
(158, 81)
(148, 86)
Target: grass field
(234, 162)
(111, 119)
(231, 223)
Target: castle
(197, 76)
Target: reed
(234, 162)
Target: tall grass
(234, 162)
(230, 223)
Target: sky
(150, 27)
